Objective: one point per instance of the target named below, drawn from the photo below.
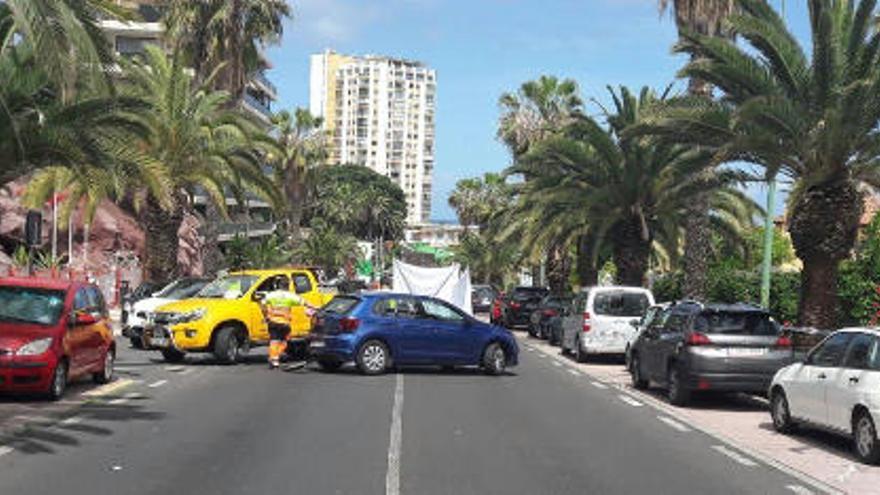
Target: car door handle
(854, 379)
(822, 376)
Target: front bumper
(26, 374)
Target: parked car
(482, 297)
(225, 317)
(651, 313)
(182, 288)
(51, 332)
(721, 347)
(142, 291)
(496, 313)
(550, 307)
(837, 388)
(804, 339)
(601, 320)
(517, 306)
(379, 330)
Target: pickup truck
(225, 318)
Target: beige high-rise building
(380, 114)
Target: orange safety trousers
(276, 350)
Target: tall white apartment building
(380, 113)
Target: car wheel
(494, 359)
(676, 391)
(638, 380)
(579, 354)
(865, 439)
(105, 375)
(329, 364)
(780, 412)
(372, 358)
(136, 343)
(59, 381)
(173, 356)
(227, 348)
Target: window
(619, 303)
(830, 352)
(30, 305)
(278, 282)
(96, 302)
(301, 283)
(735, 323)
(434, 310)
(675, 323)
(861, 351)
(340, 305)
(401, 307)
(81, 300)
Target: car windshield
(340, 305)
(735, 323)
(30, 305)
(182, 289)
(228, 287)
(622, 304)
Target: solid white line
(736, 456)
(629, 400)
(675, 425)
(392, 476)
(5, 450)
(158, 384)
(800, 490)
(599, 385)
(109, 388)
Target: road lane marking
(73, 420)
(175, 369)
(392, 476)
(599, 385)
(109, 388)
(158, 383)
(675, 425)
(557, 364)
(575, 372)
(5, 450)
(629, 400)
(736, 456)
(800, 490)
(126, 398)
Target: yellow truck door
(259, 328)
(304, 284)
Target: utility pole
(769, 227)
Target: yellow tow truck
(225, 318)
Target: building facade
(380, 113)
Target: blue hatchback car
(379, 330)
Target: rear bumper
(336, 347)
(729, 382)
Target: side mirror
(82, 319)
(634, 323)
(259, 296)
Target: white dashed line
(73, 420)
(575, 372)
(5, 450)
(158, 383)
(175, 369)
(736, 456)
(629, 400)
(109, 388)
(126, 398)
(599, 385)
(675, 425)
(800, 490)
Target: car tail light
(349, 324)
(550, 312)
(515, 305)
(783, 341)
(698, 338)
(587, 326)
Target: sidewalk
(744, 421)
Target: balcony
(259, 79)
(257, 107)
(228, 231)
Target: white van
(602, 320)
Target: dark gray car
(719, 347)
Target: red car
(52, 331)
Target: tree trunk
(161, 241)
(294, 192)
(631, 252)
(558, 270)
(587, 269)
(824, 224)
(697, 247)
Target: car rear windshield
(341, 305)
(620, 303)
(524, 293)
(30, 305)
(735, 323)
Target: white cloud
(337, 21)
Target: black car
(709, 347)
(550, 307)
(482, 297)
(519, 303)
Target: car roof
(39, 283)
(690, 306)
(267, 271)
(613, 288)
(873, 331)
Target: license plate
(748, 352)
(317, 344)
(159, 342)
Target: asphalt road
(204, 428)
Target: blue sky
(481, 48)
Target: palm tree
(811, 118)
(303, 147)
(538, 110)
(705, 17)
(327, 248)
(631, 195)
(476, 200)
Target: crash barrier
(111, 281)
